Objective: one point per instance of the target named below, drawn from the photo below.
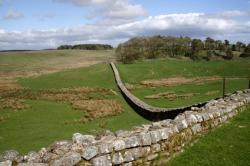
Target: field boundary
(144, 145)
(147, 111)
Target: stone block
(83, 139)
(155, 136)
(132, 142)
(117, 158)
(102, 161)
(89, 152)
(119, 145)
(69, 159)
(105, 147)
(145, 139)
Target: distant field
(176, 94)
(29, 63)
(51, 117)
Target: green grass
(227, 145)
(94, 76)
(164, 68)
(42, 123)
(199, 91)
(51, 59)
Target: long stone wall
(143, 145)
(145, 110)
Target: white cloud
(13, 15)
(85, 2)
(110, 11)
(197, 25)
(233, 13)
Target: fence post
(223, 86)
(248, 83)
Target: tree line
(169, 46)
(86, 47)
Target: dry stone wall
(143, 145)
(142, 108)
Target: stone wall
(142, 108)
(143, 145)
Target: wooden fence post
(223, 87)
(248, 83)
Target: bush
(246, 52)
(229, 55)
(86, 47)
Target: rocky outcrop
(140, 146)
(142, 108)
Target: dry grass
(13, 103)
(178, 81)
(170, 96)
(210, 93)
(98, 108)
(80, 98)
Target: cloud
(197, 25)
(233, 13)
(13, 15)
(110, 11)
(85, 2)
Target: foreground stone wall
(142, 108)
(140, 146)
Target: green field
(228, 145)
(44, 121)
(158, 69)
(52, 59)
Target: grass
(165, 68)
(52, 59)
(94, 76)
(43, 122)
(199, 91)
(227, 145)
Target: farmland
(58, 91)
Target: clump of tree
(86, 47)
(246, 52)
(153, 47)
(150, 47)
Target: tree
(233, 47)
(229, 55)
(226, 42)
(64, 47)
(210, 44)
(196, 45)
(240, 46)
(246, 52)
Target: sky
(43, 24)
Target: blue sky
(29, 24)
